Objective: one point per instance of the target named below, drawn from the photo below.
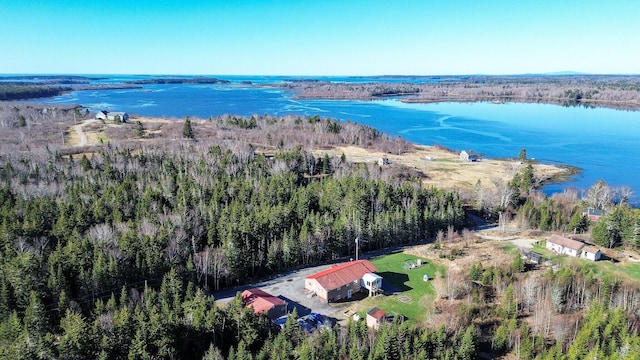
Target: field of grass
(507, 247)
(601, 269)
(414, 294)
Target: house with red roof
(341, 281)
(375, 317)
(593, 214)
(264, 303)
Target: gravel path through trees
(83, 137)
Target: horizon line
(554, 73)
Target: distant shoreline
(613, 92)
(619, 92)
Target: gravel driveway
(290, 288)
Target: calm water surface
(603, 142)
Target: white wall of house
(570, 252)
(372, 281)
(312, 285)
(592, 256)
(559, 249)
(373, 322)
(555, 247)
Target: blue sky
(323, 37)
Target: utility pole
(356, 248)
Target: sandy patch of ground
(443, 168)
(88, 132)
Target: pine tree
(139, 132)
(213, 353)
(187, 131)
(579, 223)
(74, 342)
(467, 346)
(518, 264)
(509, 304)
(35, 318)
(5, 305)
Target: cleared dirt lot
(290, 287)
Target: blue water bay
(603, 142)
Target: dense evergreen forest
(21, 92)
(113, 253)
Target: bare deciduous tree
(600, 195)
(624, 193)
(220, 266)
(505, 193)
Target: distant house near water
(469, 156)
(343, 280)
(566, 246)
(112, 116)
(593, 214)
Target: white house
(565, 246)
(112, 115)
(591, 253)
(469, 156)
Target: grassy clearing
(414, 294)
(632, 270)
(622, 271)
(508, 247)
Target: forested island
(179, 80)
(112, 250)
(19, 91)
(610, 91)
(23, 87)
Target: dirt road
(80, 132)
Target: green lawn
(409, 283)
(633, 270)
(600, 269)
(508, 247)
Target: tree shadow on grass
(393, 282)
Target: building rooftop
(590, 249)
(342, 274)
(376, 313)
(566, 242)
(260, 300)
